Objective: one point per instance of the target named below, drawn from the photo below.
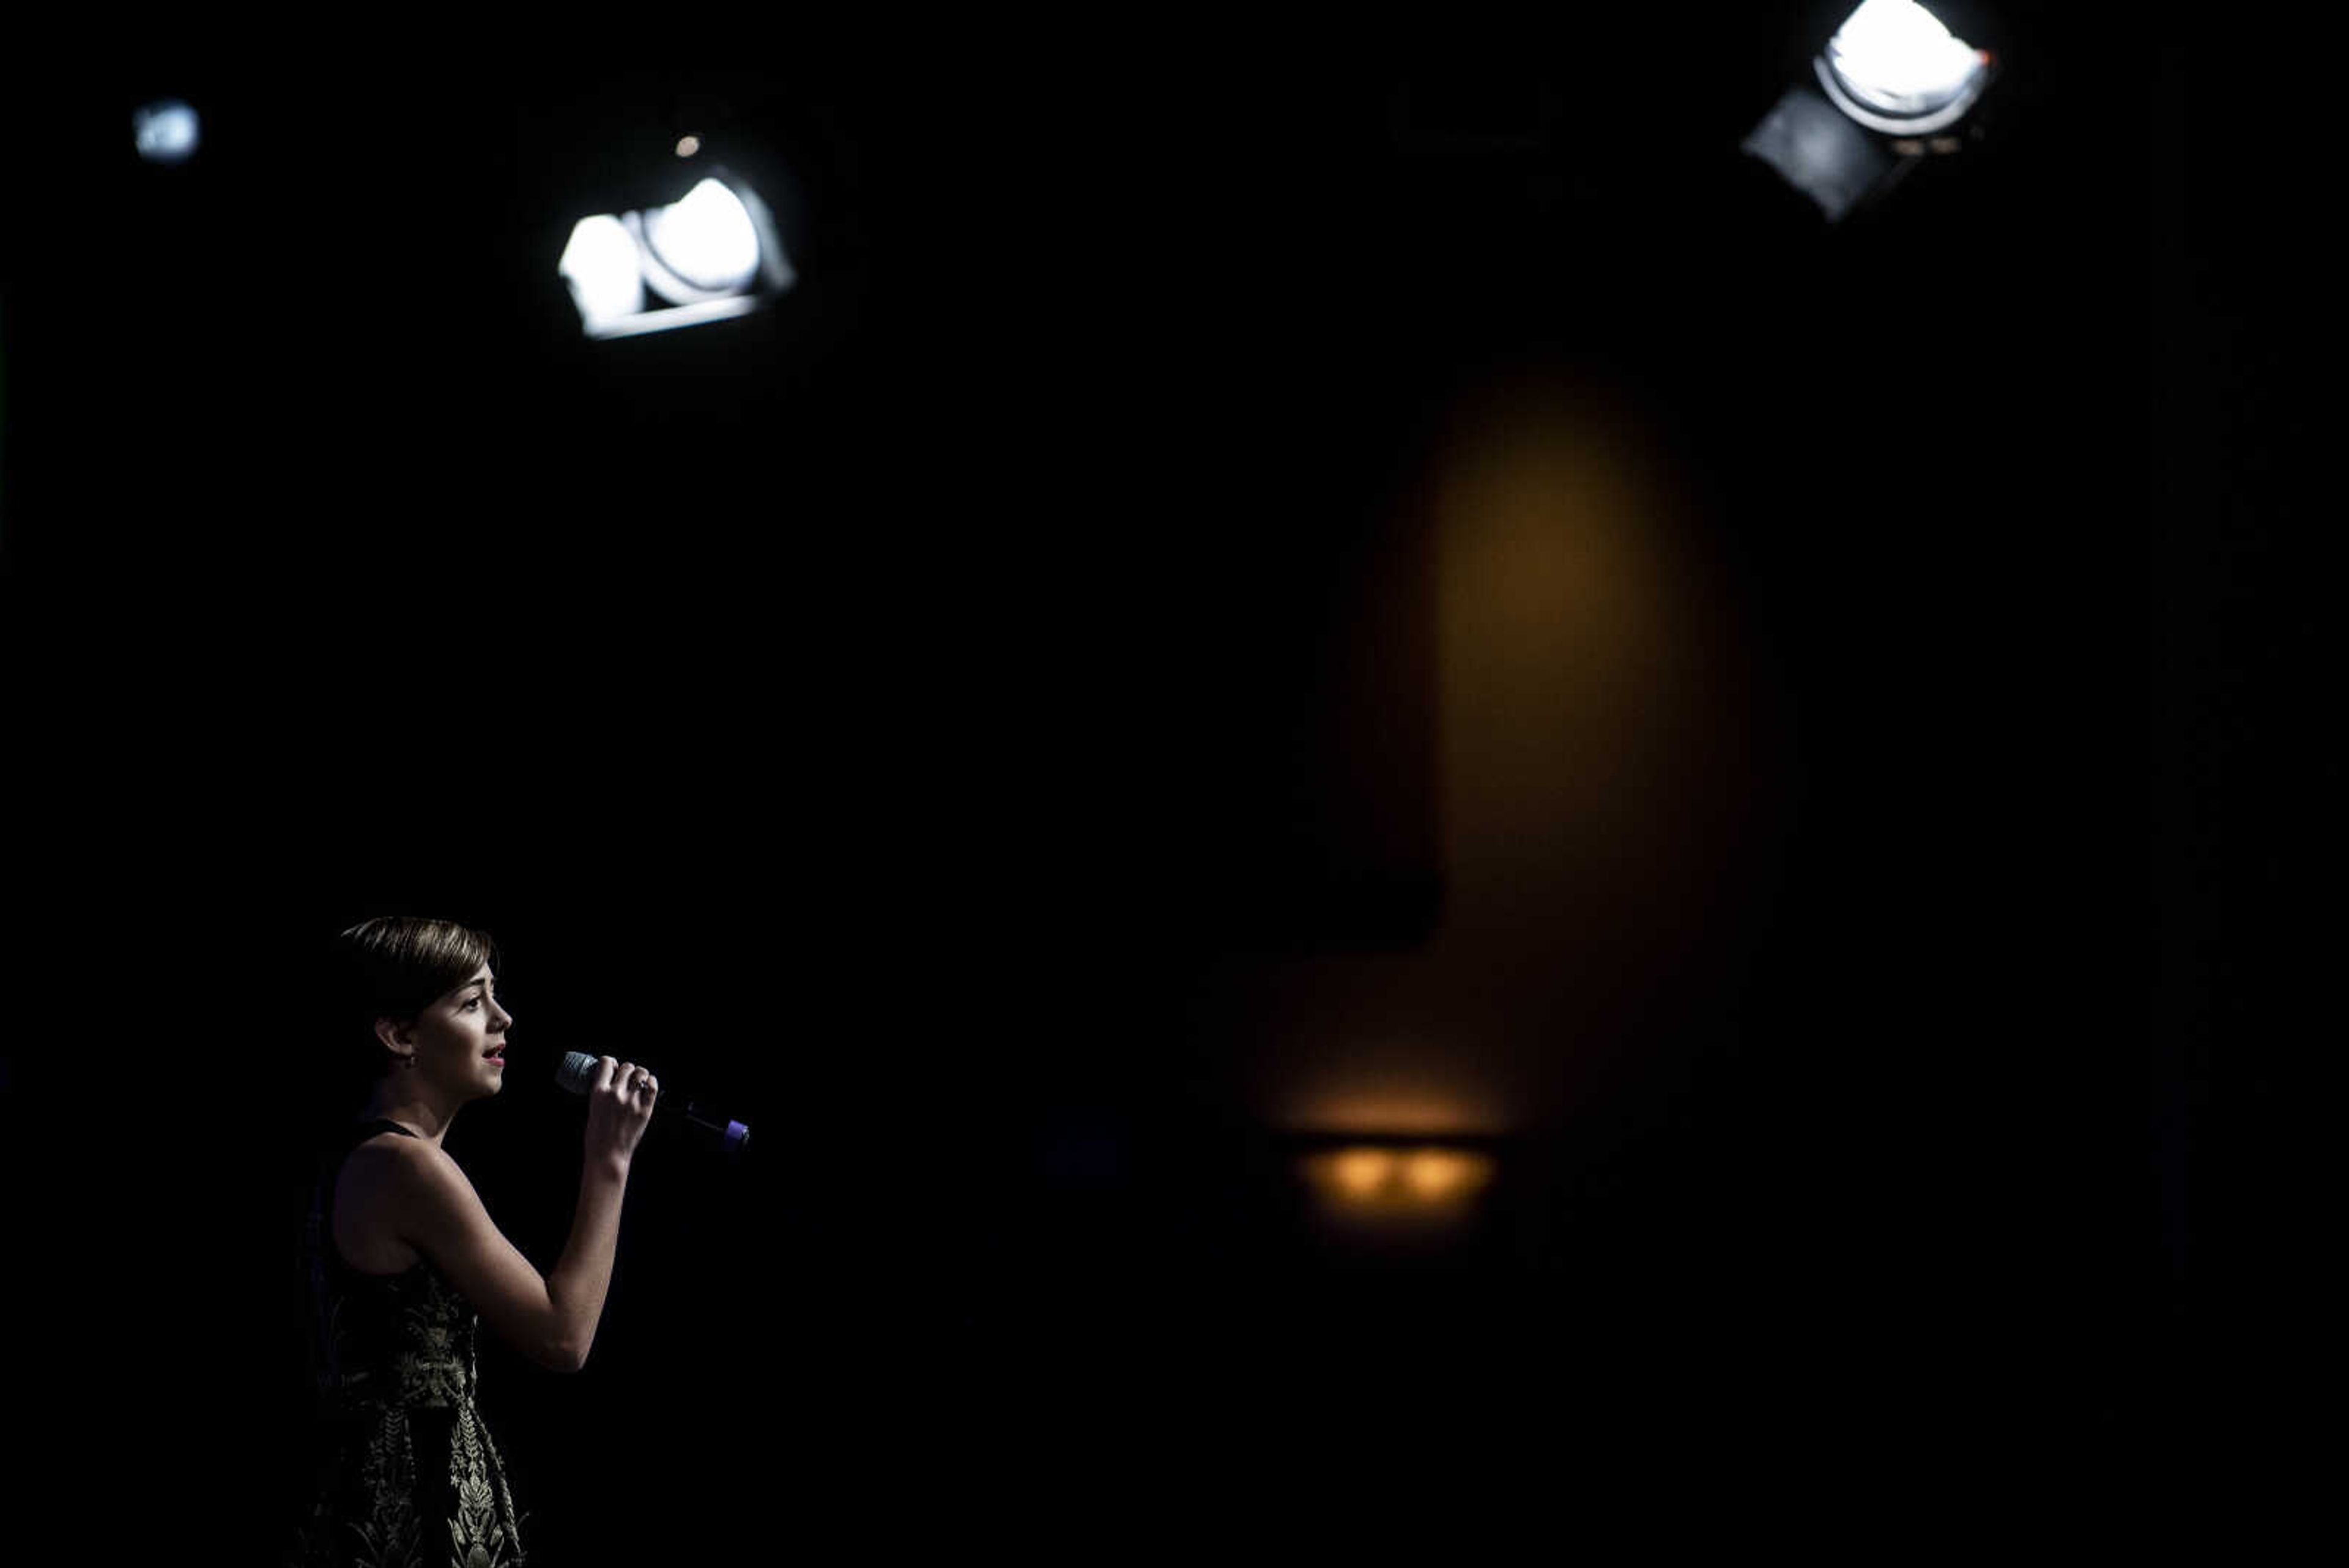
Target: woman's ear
(395, 1036)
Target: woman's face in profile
(460, 1038)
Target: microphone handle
(731, 1135)
(577, 1074)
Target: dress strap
(355, 1132)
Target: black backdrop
(876, 706)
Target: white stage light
(1893, 79)
(600, 263)
(1894, 67)
(713, 254)
(706, 242)
(165, 133)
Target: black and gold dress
(407, 1472)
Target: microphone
(577, 1073)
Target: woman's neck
(414, 1111)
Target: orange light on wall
(1427, 1181)
(1593, 712)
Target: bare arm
(584, 1273)
(551, 1319)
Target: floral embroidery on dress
(475, 1537)
(430, 1373)
(386, 1348)
(391, 1535)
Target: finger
(606, 1067)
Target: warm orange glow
(1565, 649)
(1437, 1175)
(1425, 1181)
(1370, 1102)
(1591, 692)
(1359, 1173)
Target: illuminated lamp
(1412, 1192)
(713, 254)
(1893, 84)
(165, 133)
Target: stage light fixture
(165, 133)
(1894, 67)
(1893, 83)
(712, 254)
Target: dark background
(892, 714)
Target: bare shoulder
(402, 1174)
(380, 1159)
(407, 1165)
(423, 1186)
(369, 1168)
(369, 1196)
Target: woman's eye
(472, 1001)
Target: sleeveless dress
(406, 1473)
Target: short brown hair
(395, 966)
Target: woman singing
(404, 1262)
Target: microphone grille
(577, 1073)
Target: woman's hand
(619, 1107)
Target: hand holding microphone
(622, 1100)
